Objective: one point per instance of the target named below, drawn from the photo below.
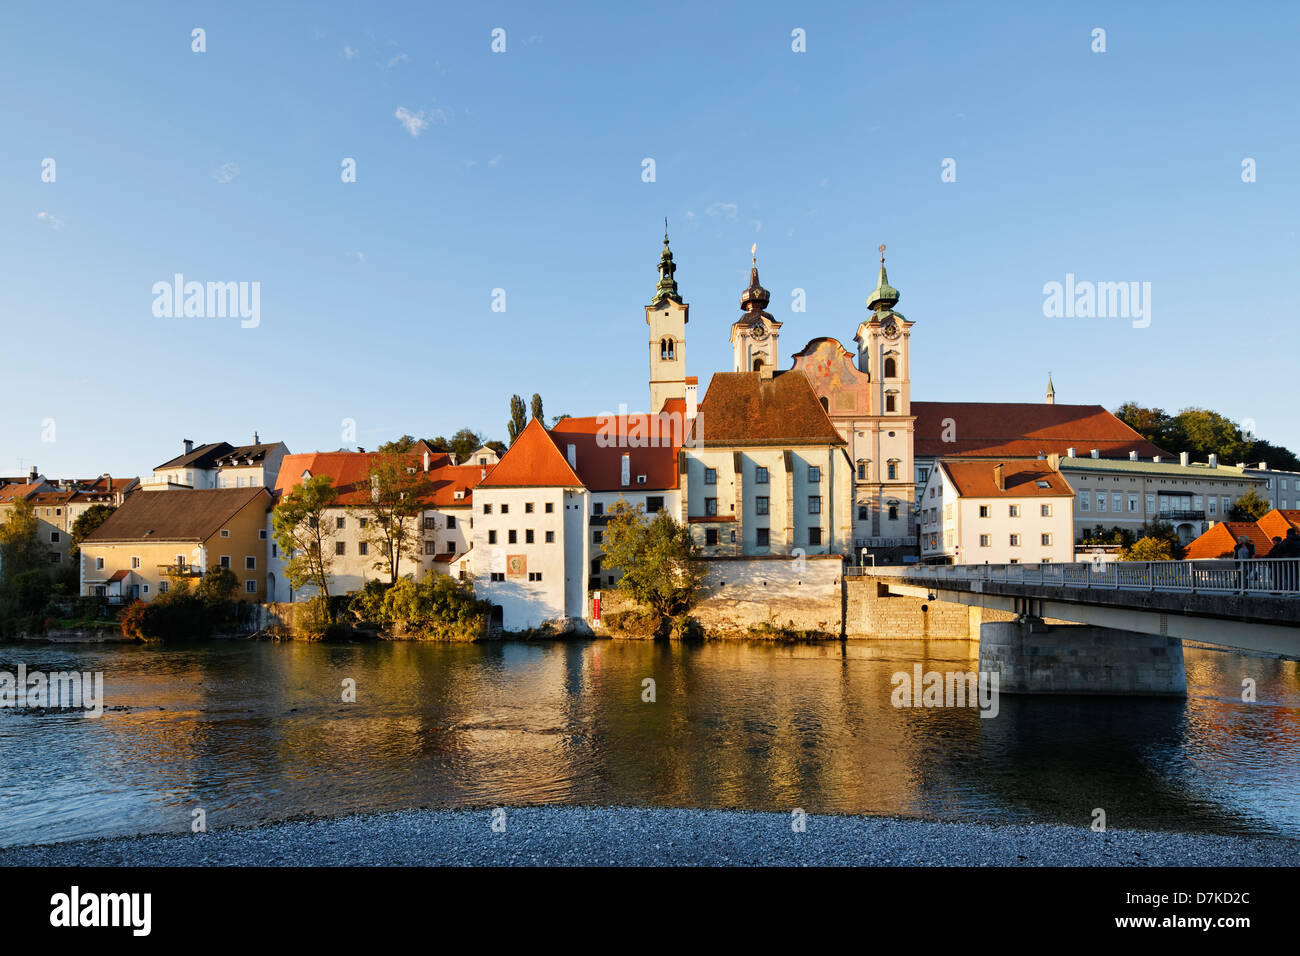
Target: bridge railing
(1275, 576)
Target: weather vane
(753, 251)
(882, 252)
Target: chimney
(1054, 461)
(1214, 460)
(189, 445)
(1133, 456)
(1155, 459)
(426, 459)
(482, 473)
(1182, 458)
(1263, 466)
(33, 476)
(1042, 455)
(1095, 453)
(691, 405)
(256, 440)
(573, 456)
(1070, 453)
(999, 477)
(626, 473)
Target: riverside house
(158, 537)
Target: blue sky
(527, 176)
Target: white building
(996, 512)
(1281, 489)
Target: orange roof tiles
(1219, 541)
(600, 442)
(977, 479)
(533, 461)
(1023, 430)
(744, 408)
(350, 471)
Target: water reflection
(254, 731)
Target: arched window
(890, 368)
(758, 365)
(893, 512)
(862, 469)
(826, 405)
(672, 350)
(891, 402)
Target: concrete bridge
(1113, 627)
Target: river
(253, 731)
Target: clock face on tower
(757, 333)
(890, 330)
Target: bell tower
(755, 335)
(667, 315)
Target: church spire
(667, 287)
(884, 296)
(755, 298)
(1051, 390)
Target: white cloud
(359, 256)
(690, 216)
(494, 161)
(757, 224)
(413, 122)
(728, 209)
(350, 53)
(397, 59)
(47, 217)
(226, 172)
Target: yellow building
(158, 537)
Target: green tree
(1249, 507)
(518, 418)
(217, 586)
(24, 564)
(658, 559)
(397, 446)
(497, 446)
(88, 521)
(398, 489)
(304, 533)
(1153, 424)
(537, 408)
(464, 443)
(1202, 432)
(1147, 549)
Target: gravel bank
(543, 836)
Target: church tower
(754, 336)
(1050, 397)
(666, 315)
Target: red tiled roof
(1221, 540)
(650, 441)
(180, 515)
(976, 479)
(350, 471)
(119, 575)
(744, 408)
(1275, 523)
(1023, 430)
(533, 461)
(13, 492)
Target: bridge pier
(1032, 657)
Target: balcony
(180, 570)
(1183, 515)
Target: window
(492, 537)
(528, 507)
(761, 537)
(1085, 498)
(54, 537)
(549, 507)
(505, 509)
(430, 523)
(1047, 540)
(654, 504)
(534, 575)
(814, 536)
(135, 563)
(430, 547)
(512, 536)
(760, 475)
(164, 587)
(1043, 483)
(451, 522)
(250, 586)
(1133, 503)
(487, 508)
(1151, 503)
(598, 508)
(893, 512)
(339, 523)
(1045, 511)
(1211, 501)
(986, 540)
(225, 561)
(710, 536)
(760, 506)
(550, 537)
(1117, 502)
(145, 588)
(340, 547)
(496, 576)
(1013, 511)
(710, 476)
(863, 513)
(528, 536)
(814, 504)
(1101, 501)
(862, 469)
(890, 402)
(814, 474)
(250, 563)
(361, 522)
(924, 475)
(261, 534)
(891, 369)
(363, 548)
(1014, 540)
(984, 511)
(225, 532)
(275, 550)
(892, 469)
(710, 506)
